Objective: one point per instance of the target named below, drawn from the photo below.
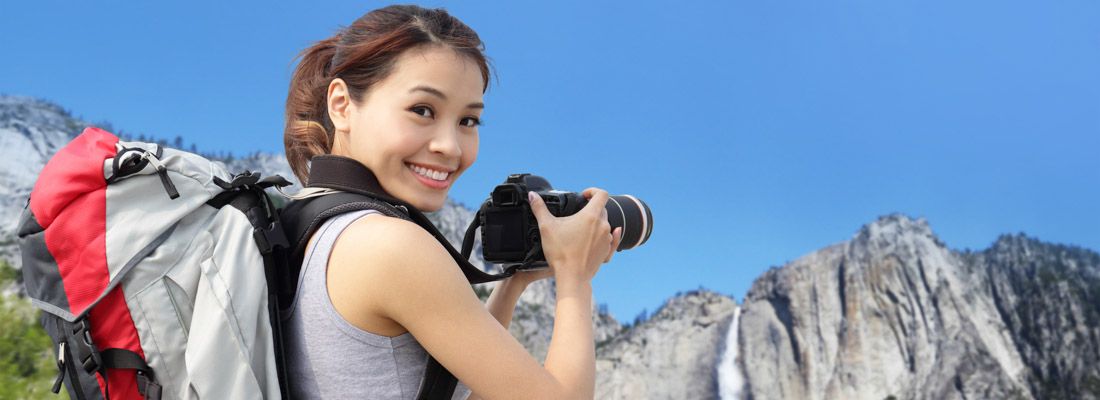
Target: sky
(757, 132)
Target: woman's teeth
(431, 174)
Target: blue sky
(757, 131)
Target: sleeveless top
(327, 356)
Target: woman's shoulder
(378, 259)
(381, 229)
(378, 237)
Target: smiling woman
(414, 136)
(400, 92)
(425, 55)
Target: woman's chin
(429, 206)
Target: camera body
(509, 229)
(510, 232)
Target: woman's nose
(445, 142)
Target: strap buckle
(147, 386)
(267, 239)
(84, 350)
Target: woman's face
(417, 128)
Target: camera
(510, 232)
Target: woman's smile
(432, 177)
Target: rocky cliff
(672, 355)
(894, 312)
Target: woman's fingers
(597, 199)
(616, 238)
(538, 208)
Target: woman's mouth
(429, 177)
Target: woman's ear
(339, 104)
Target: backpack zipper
(163, 173)
(126, 166)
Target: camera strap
(529, 262)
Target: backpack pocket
(229, 349)
(162, 316)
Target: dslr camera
(510, 232)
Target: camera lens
(633, 216)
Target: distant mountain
(890, 313)
(894, 312)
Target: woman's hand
(576, 245)
(527, 277)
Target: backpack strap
(351, 176)
(359, 189)
(126, 359)
(79, 359)
(245, 192)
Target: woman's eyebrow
(439, 94)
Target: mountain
(31, 130)
(672, 354)
(894, 312)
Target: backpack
(147, 265)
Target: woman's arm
(502, 302)
(393, 269)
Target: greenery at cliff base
(27, 365)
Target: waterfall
(731, 380)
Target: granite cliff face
(894, 312)
(31, 131)
(672, 355)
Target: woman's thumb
(537, 206)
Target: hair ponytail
(362, 54)
(309, 130)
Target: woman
(400, 91)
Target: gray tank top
(327, 356)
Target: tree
(27, 365)
(640, 318)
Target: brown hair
(362, 54)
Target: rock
(672, 355)
(894, 312)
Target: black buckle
(246, 178)
(84, 350)
(267, 239)
(273, 181)
(147, 386)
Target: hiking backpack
(160, 274)
(149, 266)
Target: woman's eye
(471, 122)
(417, 110)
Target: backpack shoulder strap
(348, 175)
(302, 218)
(360, 190)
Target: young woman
(400, 91)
